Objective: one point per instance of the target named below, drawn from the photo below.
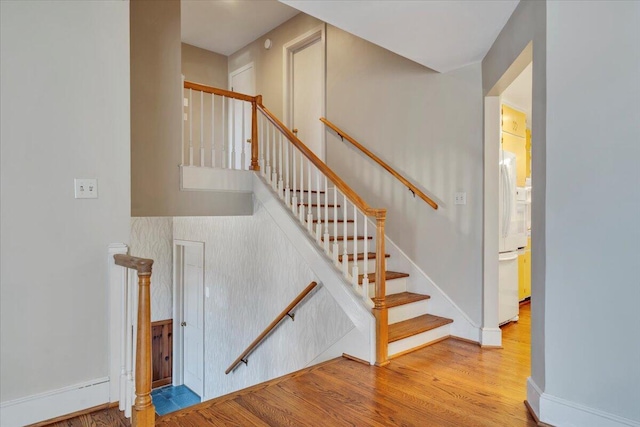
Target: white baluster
(294, 199)
(243, 159)
(325, 236)
(267, 151)
(354, 273)
(365, 279)
(274, 168)
(261, 121)
(233, 134)
(225, 133)
(183, 119)
(319, 208)
(287, 189)
(336, 247)
(281, 169)
(213, 143)
(201, 129)
(309, 201)
(302, 206)
(190, 127)
(345, 255)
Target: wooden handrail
(272, 325)
(415, 190)
(339, 183)
(221, 92)
(144, 413)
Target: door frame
(241, 70)
(178, 312)
(289, 48)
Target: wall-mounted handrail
(322, 167)
(415, 190)
(272, 325)
(143, 409)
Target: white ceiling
(440, 34)
(519, 94)
(224, 26)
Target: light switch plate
(86, 188)
(461, 198)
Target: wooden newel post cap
(141, 265)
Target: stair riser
(394, 286)
(408, 311)
(418, 340)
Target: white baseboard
(54, 403)
(491, 337)
(564, 413)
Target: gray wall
(528, 25)
(425, 124)
(205, 67)
(65, 115)
(593, 205)
(156, 120)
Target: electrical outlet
(461, 198)
(86, 188)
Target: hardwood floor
(451, 383)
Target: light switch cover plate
(86, 188)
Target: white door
(307, 97)
(242, 81)
(193, 321)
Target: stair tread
(341, 238)
(315, 205)
(370, 255)
(339, 220)
(407, 328)
(389, 275)
(402, 298)
(313, 191)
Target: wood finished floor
(451, 383)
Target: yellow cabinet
(528, 150)
(524, 273)
(518, 147)
(514, 121)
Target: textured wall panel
(152, 238)
(253, 272)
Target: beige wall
(203, 66)
(426, 124)
(156, 120)
(268, 63)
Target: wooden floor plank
(451, 383)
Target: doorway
(243, 81)
(188, 312)
(304, 88)
(508, 118)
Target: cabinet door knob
(183, 324)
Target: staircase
(410, 325)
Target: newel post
(143, 409)
(379, 301)
(255, 165)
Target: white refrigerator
(513, 238)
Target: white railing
(216, 128)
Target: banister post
(255, 165)
(143, 409)
(379, 301)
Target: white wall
(253, 272)
(152, 237)
(593, 206)
(65, 115)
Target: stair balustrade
(143, 414)
(323, 203)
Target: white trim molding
(54, 403)
(491, 337)
(564, 413)
(117, 288)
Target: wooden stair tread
(370, 255)
(388, 275)
(407, 328)
(341, 238)
(315, 205)
(313, 191)
(402, 298)
(339, 221)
